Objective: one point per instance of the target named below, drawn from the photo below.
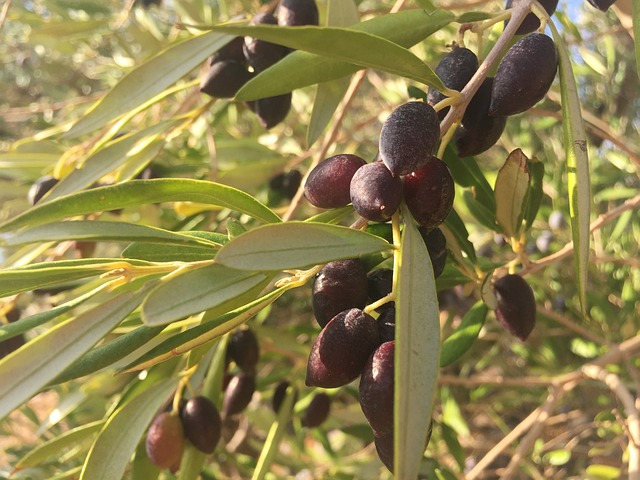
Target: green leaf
(328, 97)
(272, 443)
(578, 182)
(153, 252)
(51, 449)
(117, 441)
(534, 197)
(109, 158)
(479, 210)
(28, 369)
(416, 352)
(454, 224)
(95, 230)
(25, 324)
(467, 173)
(461, 340)
(340, 13)
(297, 245)
(203, 333)
(108, 353)
(197, 290)
(39, 275)
(149, 79)
(301, 69)
(357, 47)
(137, 192)
(511, 189)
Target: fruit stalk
(520, 11)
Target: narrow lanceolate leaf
(463, 337)
(328, 97)
(297, 245)
(149, 79)
(28, 369)
(197, 290)
(352, 46)
(340, 13)
(578, 182)
(417, 351)
(203, 333)
(301, 69)
(40, 275)
(104, 231)
(272, 442)
(108, 353)
(25, 324)
(52, 449)
(511, 189)
(108, 158)
(117, 441)
(139, 192)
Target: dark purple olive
(243, 348)
(341, 349)
(339, 286)
(408, 137)
(224, 79)
(40, 188)
(376, 388)
(238, 394)
(384, 447)
(524, 75)
(286, 183)
(429, 193)
(14, 343)
(437, 246)
(260, 54)
(328, 184)
(479, 131)
(455, 70)
(601, 4)
(279, 394)
(317, 411)
(375, 193)
(272, 110)
(234, 50)
(516, 310)
(387, 323)
(379, 283)
(294, 13)
(531, 22)
(165, 441)
(202, 423)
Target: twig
(4, 12)
(562, 385)
(356, 81)
(612, 381)
(598, 223)
(520, 11)
(564, 321)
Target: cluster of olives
(522, 79)
(237, 62)
(197, 421)
(352, 343)
(405, 169)
(244, 350)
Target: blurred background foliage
(59, 56)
